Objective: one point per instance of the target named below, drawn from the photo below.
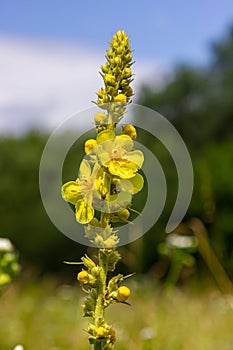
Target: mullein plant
(102, 194)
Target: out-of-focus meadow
(170, 310)
(46, 315)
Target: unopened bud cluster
(116, 71)
(117, 76)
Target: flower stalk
(102, 194)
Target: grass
(46, 316)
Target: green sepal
(111, 258)
(88, 262)
(89, 304)
(113, 284)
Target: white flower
(147, 333)
(175, 240)
(6, 246)
(18, 347)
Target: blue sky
(170, 30)
(51, 51)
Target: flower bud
(101, 93)
(83, 277)
(105, 68)
(117, 61)
(128, 57)
(124, 83)
(110, 53)
(130, 130)
(128, 91)
(123, 214)
(127, 73)
(119, 50)
(100, 118)
(123, 293)
(120, 98)
(109, 79)
(101, 332)
(90, 145)
(95, 271)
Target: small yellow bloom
(120, 98)
(123, 293)
(90, 145)
(114, 152)
(101, 332)
(82, 192)
(83, 277)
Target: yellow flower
(82, 192)
(83, 277)
(123, 293)
(116, 154)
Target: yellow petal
(137, 182)
(105, 135)
(124, 141)
(135, 157)
(133, 185)
(71, 192)
(84, 212)
(103, 152)
(123, 168)
(84, 169)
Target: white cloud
(44, 82)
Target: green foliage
(23, 218)
(198, 101)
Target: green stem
(174, 273)
(99, 309)
(98, 345)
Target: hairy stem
(99, 309)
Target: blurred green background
(198, 101)
(176, 301)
